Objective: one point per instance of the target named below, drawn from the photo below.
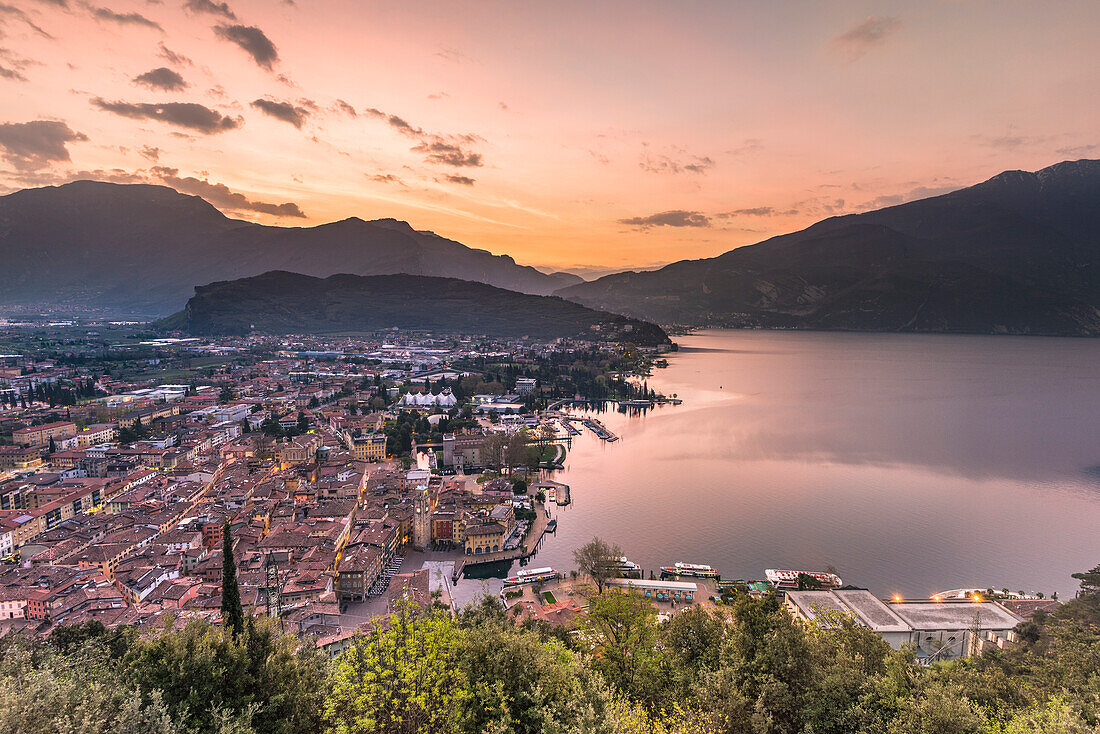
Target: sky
(586, 135)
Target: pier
(599, 429)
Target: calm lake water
(910, 463)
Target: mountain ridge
(142, 248)
(281, 302)
(1018, 253)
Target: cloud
(757, 211)
(211, 8)
(161, 78)
(918, 192)
(221, 196)
(871, 33)
(284, 111)
(674, 162)
(386, 178)
(13, 74)
(403, 126)
(173, 57)
(600, 157)
(253, 41)
(30, 146)
(1078, 151)
(1011, 141)
(125, 18)
(452, 54)
(464, 180)
(751, 145)
(346, 108)
(182, 114)
(10, 11)
(150, 153)
(673, 218)
(447, 150)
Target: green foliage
(82, 693)
(621, 629)
(198, 679)
(232, 612)
(403, 679)
(596, 558)
(747, 668)
(204, 675)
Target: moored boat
(690, 569)
(624, 568)
(530, 575)
(784, 579)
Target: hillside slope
(1019, 253)
(142, 249)
(279, 302)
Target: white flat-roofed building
(936, 630)
(860, 604)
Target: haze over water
(910, 463)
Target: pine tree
(232, 613)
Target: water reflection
(911, 463)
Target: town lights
(897, 598)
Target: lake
(909, 463)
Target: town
(346, 477)
(126, 460)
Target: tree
(81, 691)
(806, 582)
(262, 681)
(521, 683)
(403, 679)
(597, 559)
(225, 394)
(621, 627)
(1090, 580)
(232, 612)
(53, 445)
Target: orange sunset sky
(588, 134)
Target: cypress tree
(232, 613)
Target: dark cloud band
(188, 115)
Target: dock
(599, 429)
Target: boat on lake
(531, 575)
(624, 568)
(635, 403)
(690, 569)
(784, 579)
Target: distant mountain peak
(281, 302)
(1017, 253)
(140, 249)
